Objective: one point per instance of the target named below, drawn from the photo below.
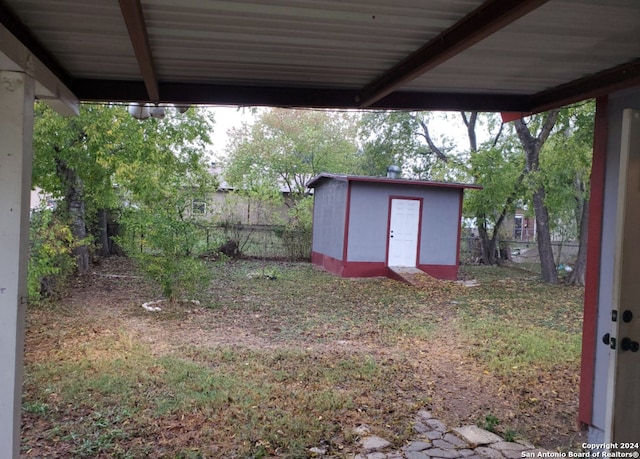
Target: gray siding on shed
(368, 222)
(329, 218)
(440, 223)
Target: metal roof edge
(370, 179)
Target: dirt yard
(375, 349)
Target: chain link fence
(254, 241)
(524, 253)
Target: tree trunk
(577, 276)
(488, 245)
(545, 249)
(103, 232)
(74, 198)
(106, 230)
(532, 146)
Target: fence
(269, 241)
(260, 241)
(520, 252)
(278, 242)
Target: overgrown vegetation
(150, 171)
(51, 260)
(275, 366)
(166, 250)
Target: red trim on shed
(459, 231)
(365, 269)
(333, 265)
(592, 277)
(419, 245)
(347, 218)
(376, 268)
(400, 181)
(444, 272)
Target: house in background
(524, 227)
(364, 226)
(229, 205)
(520, 226)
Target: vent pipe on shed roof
(393, 172)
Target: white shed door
(623, 404)
(403, 232)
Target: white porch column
(16, 134)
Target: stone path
(433, 440)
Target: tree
(566, 163)
(405, 140)
(497, 166)
(490, 162)
(103, 157)
(532, 145)
(287, 147)
(500, 172)
(73, 161)
(557, 180)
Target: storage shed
(363, 226)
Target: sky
(447, 124)
(225, 119)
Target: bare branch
(425, 133)
(497, 137)
(471, 131)
(549, 123)
(464, 118)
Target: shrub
(167, 253)
(297, 233)
(180, 278)
(51, 260)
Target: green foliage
(287, 147)
(565, 165)
(246, 209)
(165, 251)
(297, 233)
(152, 169)
(301, 215)
(118, 159)
(400, 138)
(387, 138)
(498, 171)
(490, 422)
(510, 435)
(51, 261)
(181, 278)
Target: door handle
(628, 345)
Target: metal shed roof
(318, 179)
(494, 55)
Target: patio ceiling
(494, 55)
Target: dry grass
(270, 367)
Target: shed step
(413, 276)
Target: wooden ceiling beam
(485, 20)
(134, 19)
